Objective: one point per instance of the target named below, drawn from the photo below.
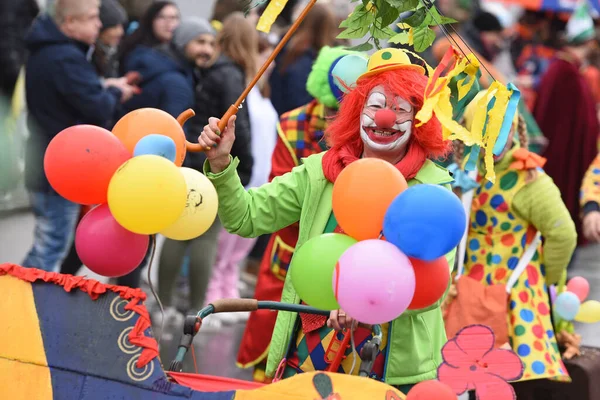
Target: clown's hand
(218, 144)
(339, 321)
(591, 226)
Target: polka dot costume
(497, 240)
(590, 187)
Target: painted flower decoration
(472, 363)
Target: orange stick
(233, 109)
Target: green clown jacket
(415, 338)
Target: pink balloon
(374, 282)
(106, 247)
(579, 286)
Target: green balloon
(312, 269)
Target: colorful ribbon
(270, 14)
(526, 160)
(462, 179)
(509, 116)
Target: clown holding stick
(376, 119)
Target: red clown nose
(385, 118)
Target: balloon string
(162, 310)
(194, 358)
(354, 351)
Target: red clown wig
(343, 134)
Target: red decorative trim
(94, 289)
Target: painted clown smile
(387, 136)
(386, 123)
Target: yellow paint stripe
(24, 372)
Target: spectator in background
(222, 9)
(171, 89)
(167, 73)
(136, 8)
(62, 90)
(196, 38)
(113, 18)
(16, 16)
(219, 86)
(565, 110)
(293, 64)
(155, 31)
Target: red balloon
(579, 286)
(431, 281)
(81, 160)
(106, 247)
(429, 390)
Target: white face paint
(386, 140)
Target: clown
(376, 119)
(504, 216)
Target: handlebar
(194, 322)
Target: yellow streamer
(495, 119)
(440, 94)
(270, 14)
(471, 69)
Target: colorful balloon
(580, 286)
(362, 194)
(429, 390)
(431, 281)
(311, 269)
(553, 294)
(147, 194)
(589, 312)
(347, 70)
(106, 247)
(159, 145)
(567, 305)
(425, 222)
(147, 121)
(200, 208)
(374, 282)
(80, 161)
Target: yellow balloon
(147, 194)
(200, 210)
(589, 312)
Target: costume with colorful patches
(504, 217)
(300, 134)
(372, 122)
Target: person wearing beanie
(484, 34)
(167, 72)
(565, 110)
(300, 134)
(113, 18)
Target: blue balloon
(348, 69)
(567, 305)
(158, 145)
(425, 222)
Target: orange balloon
(80, 161)
(146, 121)
(362, 194)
